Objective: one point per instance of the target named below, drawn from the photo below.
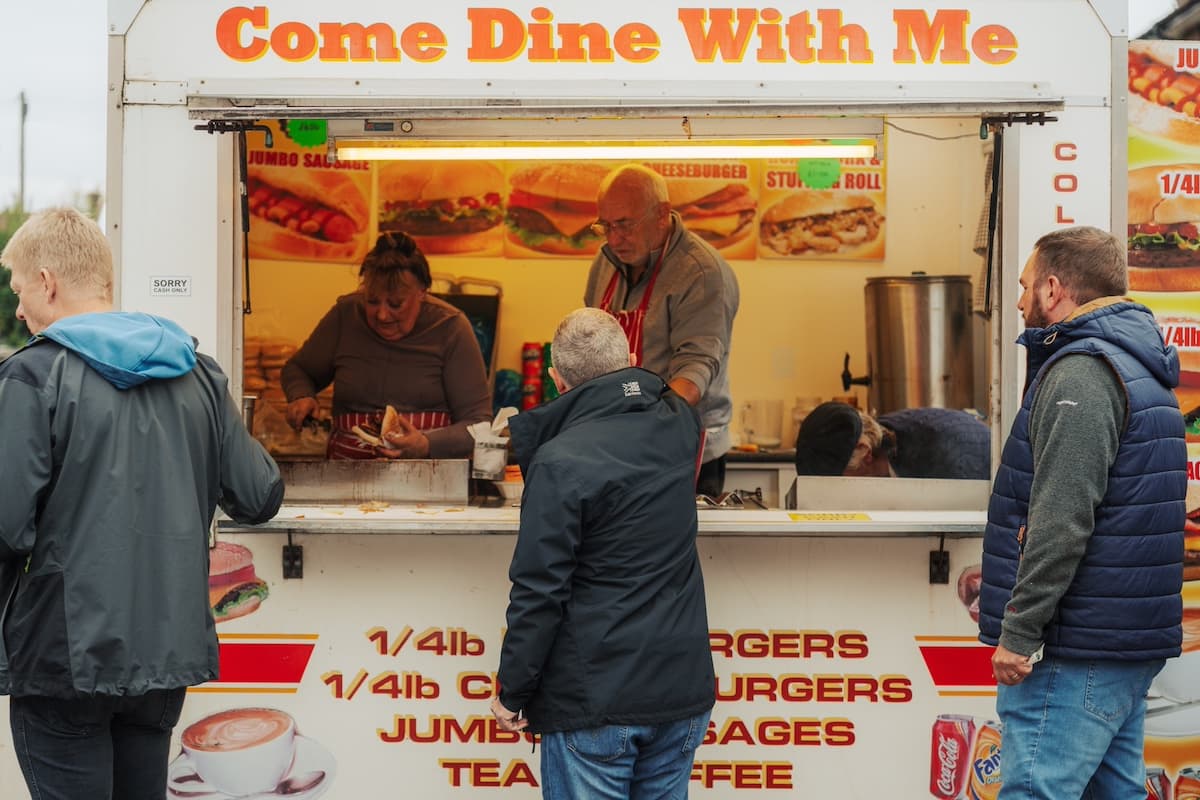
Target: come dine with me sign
(710, 35)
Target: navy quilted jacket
(1124, 600)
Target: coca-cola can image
(1187, 784)
(1158, 785)
(950, 755)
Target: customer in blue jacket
(119, 441)
(606, 653)
(1083, 551)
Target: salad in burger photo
(234, 590)
(447, 207)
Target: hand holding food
(301, 409)
(395, 438)
(402, 440)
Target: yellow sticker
(827, 516)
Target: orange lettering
(423, 42)
(485, 24)
(720, 37)
(636, 41)
(832, 34)
(948, 30)
(335, 37)
(294, 41)
(229, 33)
(994, 44)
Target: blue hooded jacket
(1124, 600)
(127, 348)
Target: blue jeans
(1073, 729)
(99, 747)
(615, 762)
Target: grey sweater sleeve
(1074, 428)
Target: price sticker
(819, 173)
(308, 132)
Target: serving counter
(834, 652)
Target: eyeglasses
(622, 226)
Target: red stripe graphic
(263, 662)
(959, 666)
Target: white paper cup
(1179, 679)
(242, 750)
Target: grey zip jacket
(118, 444)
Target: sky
(66, 95)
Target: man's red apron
(344, 444)
(632, 322)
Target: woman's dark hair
(393, 254)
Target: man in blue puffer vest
(1083, 553)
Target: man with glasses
(674, 296)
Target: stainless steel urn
(919, 342)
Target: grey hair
(1087, 261)
(587, 344)
(635, 178)
(68, 245)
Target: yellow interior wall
(797, 318)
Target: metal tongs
(736, 498)
(315, 426)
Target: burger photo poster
(304, 207)
(716, 200)
(550, 207)
(841, 221)
(447, 207)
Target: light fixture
(401, 150)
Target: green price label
(308, 132)
(819, 173)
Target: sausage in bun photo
(447, 207)
(305, 214)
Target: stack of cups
(531, 375)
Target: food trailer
(841, 626)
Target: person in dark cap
(838, 439)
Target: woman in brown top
(390, 343)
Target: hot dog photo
(307, 213)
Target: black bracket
(240, 127)
(1016, 118)
(293, 560)
(939, 563)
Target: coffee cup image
(237, 752)
(1179, 679)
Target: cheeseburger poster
(1164, 274)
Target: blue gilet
(1124, 601)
